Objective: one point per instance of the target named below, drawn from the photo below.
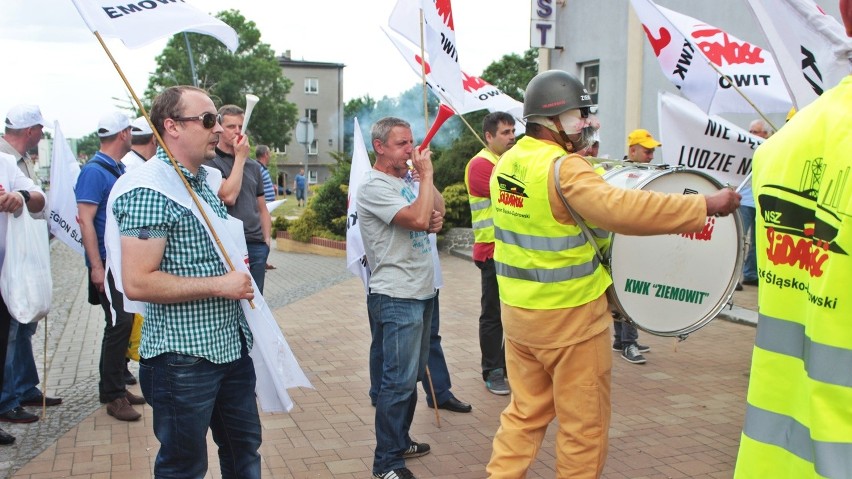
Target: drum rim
(729, 290)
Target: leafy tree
(513, 72)
(88, 145)
(228, 77)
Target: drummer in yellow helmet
(555, 315)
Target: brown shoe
(122, 410)
(134, 399)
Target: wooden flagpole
(169, 153)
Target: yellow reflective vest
(541, 263)
(480, 208)
(798, 421)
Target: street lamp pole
(305, 136)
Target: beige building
(318, 94)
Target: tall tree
(228, 77)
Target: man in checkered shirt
(195, 369)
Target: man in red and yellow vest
(499, 130)
(798, 421)
(554, 311)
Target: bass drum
(672, 285)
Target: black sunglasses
(208, 120)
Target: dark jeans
(190, 395)
(26, 374)
(437, 364)
(114, 344)
(625, 333)
(258, 253)
(5, 323)
(490, 324)
(399, 326)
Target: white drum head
(671, 285)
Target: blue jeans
(258, 253)
(190, 395)
(625, 333)
(398, 325)
(26, 374)
(748, 214)
(8, 398)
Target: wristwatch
(26, 195)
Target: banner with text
(356, 259)
(140, 23)
(61, 201)
(709, 144)
(685, 47)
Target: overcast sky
(51, 59)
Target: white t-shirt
(400, 259)
(12, 179)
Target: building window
(591, 74)
(311, 86)
(311, 114)
(312, 177)
(314, 148)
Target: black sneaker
(496, 382)
(616, 346)
(18, 415)
(416, 449)
(401, 473)
(641, 347)
(631, 354)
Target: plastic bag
(135, 338)
(25, 281)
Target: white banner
(811, 47)
(478, 94)
(140, 23)
(684, 45)
(61, 201)
(709, 144)
(356, 259)
(439, 37)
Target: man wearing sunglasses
(195, 370)
(242, 189)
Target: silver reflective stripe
(822, 362)
(480, 205)
(600, 233)
(487, 223)
(539, 243)
(547, 275)
(830, 459)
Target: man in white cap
(142, 144)
(23, 130)
(94, 184)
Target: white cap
(23, 116)
(113, 123)
(140, 127)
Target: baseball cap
(23, 116)
(140, 127)
(643, 138)
(112, 123)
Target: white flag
(140, 23)
(439, 38)
(61, 201)
(709, 144)
(684, 46)
(811, 47)
(477, 94)
(356, 257)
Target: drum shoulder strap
(577, 218)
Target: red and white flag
(477, 94)
(140, 23)
(61, 201)
(439, 38)
(811, 47)
(356, 257)
(684, 46)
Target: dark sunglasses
(208, 120)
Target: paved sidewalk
(677, 416)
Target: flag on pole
(811, 47)
(439, 38)
(477, 94)
(140, 23)
(697, 141)
(684, 46)
(61, 201)
(356, 257)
